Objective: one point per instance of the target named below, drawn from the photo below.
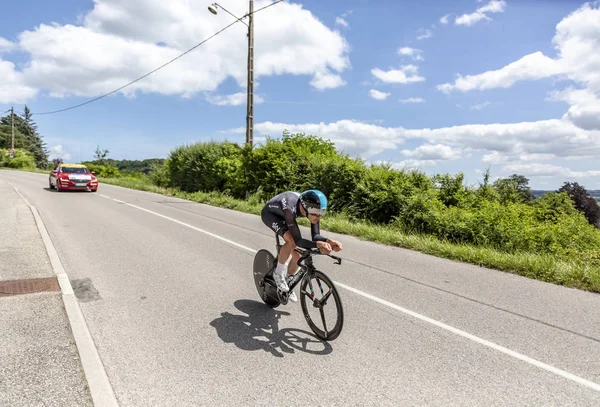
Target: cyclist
(280, 213)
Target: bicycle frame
(264, 266)
(305, 263)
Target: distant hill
(594, 193)
(144, 166)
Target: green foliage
(383, 193)
(583, 202)
(6, 136)
(337, 178)
(23, 159)
(421, 213)
(100, 155)
(159, 174)
(103, 170)
(513, 189)
(205, 166)
(452, 191)
(287, 163)
(31, 141)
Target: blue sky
(524, 104)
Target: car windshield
(75, 170)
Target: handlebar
(311, 252)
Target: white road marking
(484, 342)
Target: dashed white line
(481, 341)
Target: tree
(101, 155)
(25, 125)
(514, 189)
(583, 201)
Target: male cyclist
(280, 213)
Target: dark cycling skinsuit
(280, 214)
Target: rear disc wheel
(264, 263)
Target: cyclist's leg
(289, 245)
(278, 225)
(293, 266)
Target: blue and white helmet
(314, 202)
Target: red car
(73, 177)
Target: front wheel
(314, 295)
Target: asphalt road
(177, 320)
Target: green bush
(23, 159)
(293, 162)
(383, 193)
(106, 171)
(204, 166)
(159, 175)
(337, 178)
(421, 213)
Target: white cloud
(352, 136)
(341, 21)
(412, 100)
(406, 74)
(117, 42)
(548, 170)
(414, 53)
(59, 152)
(444, 19)
(577, 41)
(480, 106)
(494, 6)
(13, 87)
(585, 107)
(235, 99)
(436, 152)
(327, 80)
(532, 66)
(501, 158)
(557, 138)
(426, 33)
(377, 95)
(409, 164)
(6, 45)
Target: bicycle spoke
(324, 299)
(320, 286)
(323, 319)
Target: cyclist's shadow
(259, 329)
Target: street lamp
(250, 87)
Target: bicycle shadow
(259, 329)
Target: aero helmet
(314, 202)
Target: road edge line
(98, 383)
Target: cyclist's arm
(316, 232)
(290, 220)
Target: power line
(160, 67)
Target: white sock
(280, 268)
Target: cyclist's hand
(335, 245)
(324, 247)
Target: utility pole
(250, 102)
(12, 139)
(250, 87)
